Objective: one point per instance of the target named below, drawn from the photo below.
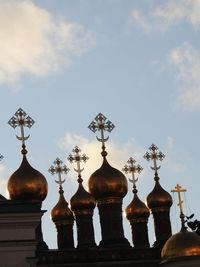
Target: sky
(137, 62)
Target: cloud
(117, 154)
(34, 42)
(170, 142)
(172, 12)
(186, 61)
(141, 20)
(3, 180)
(173, 165)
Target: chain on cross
(102, 124)
(132, 168)
(21, 119)
(77, 158)
(59, 169)
(178, 189)
(154, 155)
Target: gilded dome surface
(82, 200)
(137, 209)
(27, 184)
(107, 182)
(182, 244)
(159, 197)
(61, 211)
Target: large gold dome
(182, 244)
(61, 211)
(107, 182)
(159, 197)
(137, 209)
(82, 200)
(27, 184)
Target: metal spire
(22, 120)
(102, 124)
(154, 155)
(178, 189)
(132, 168)
(78, 158)
(59, 169)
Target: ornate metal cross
(22, 120)
(132, 168)
(78, 158)
(178, 189)
(154, 155)
(58, 169)
(102, 124)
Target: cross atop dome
(178, 189)
(21, 119)
(102, 124)
(154, 155)
(78, 158)
(59, 169)
(132, 168)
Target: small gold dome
(107, 182)
(137, 209)
(27, 184)
(182, 244)
(82, 200)
(61, 211)
(159, 197)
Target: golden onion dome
(159, 197)
(107, 182)
(82, 200)
(137, 209)
(182, 244)
(27, 184)
(61, 212)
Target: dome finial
(154, 155)
(132, 168)
(101, 123)
(59, 169)
(78, 158)
(22, 120)
(178, 189)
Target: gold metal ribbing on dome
(78, 158)
(21, 119)
(59, 169)
(178, 189)
(154, 155)
(132, 168)
(102, 124)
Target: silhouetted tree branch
(194, 225)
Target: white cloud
(172, 12)
(3, 180)
(171, 164)
(186, 61)
(117, 154)
(34, 42)
(141, 20)
(170, 142)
